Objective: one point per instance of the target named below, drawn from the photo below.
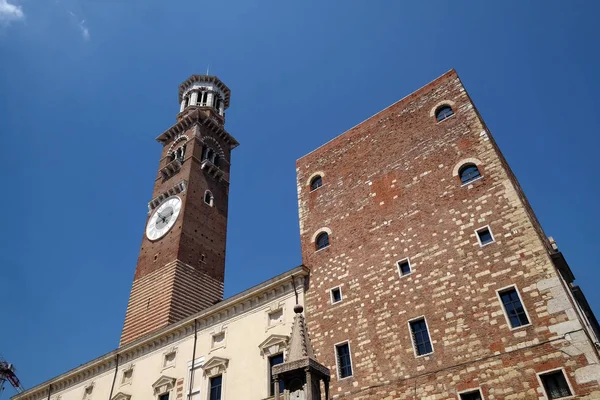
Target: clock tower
(181, 266)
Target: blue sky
(86, 86)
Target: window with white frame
(513, 307)
(471, 395)
(484, 236)
(336, 295)
(344, 360)
(420, 337)
(404, 267)
(555, 384)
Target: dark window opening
(164, 396)
(404, 267)
(468, 173)
(421, 337)
(443, 112)
(336, 295)
(485, 236)
(322, 240)
(514, 308)
(204, 97)
(208, 198)
(274, 360)
(216, 383)
(475, 395)
(343, 359)
(316, 182)
(555, 385)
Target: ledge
(178, 188)
(171, 168)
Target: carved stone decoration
(163, 384)
(274, 344)
(121, 396)
(215, 366)
(300, 372)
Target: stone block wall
(391, 191)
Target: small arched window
(208, 198)
(316, 182)
(322, 241)
(468, 173)
(443, 112)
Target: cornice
(254, 297)
(196, 116)
(205, 78)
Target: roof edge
(299, 271)
(422, 88)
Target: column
(182, 107)
(276, 386)
(194, 98)
(309, 385)
(209, 99)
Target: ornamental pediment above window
(121, 396)
(163, 384)
(215, 366)
(274, 344)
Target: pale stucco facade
(233, 338)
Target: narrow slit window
(484, 235)
(322, 241)
(420, 335)
(316, 182)
(343, 360)
(555, 385)
(469, 173)
(514, 308)
(444, 112)
(473, 395)
(336, 295)
(216, 383)
(404, 267)
(208, 198)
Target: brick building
(426, 274)
(431, 277)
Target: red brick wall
(389, 193)
(183, 272)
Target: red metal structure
(8, 373)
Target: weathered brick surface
(183, 272)
(390, 192)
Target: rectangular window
(404, 267)
(473, 395)
(343, 360)
(216, 383)
(484, 235)
(336, 295)
(513, 308)
(555, 385)
(274, 360)
(420, 336)
(164, 396)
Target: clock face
(163, 218)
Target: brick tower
(180, 269)
(430, 275)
